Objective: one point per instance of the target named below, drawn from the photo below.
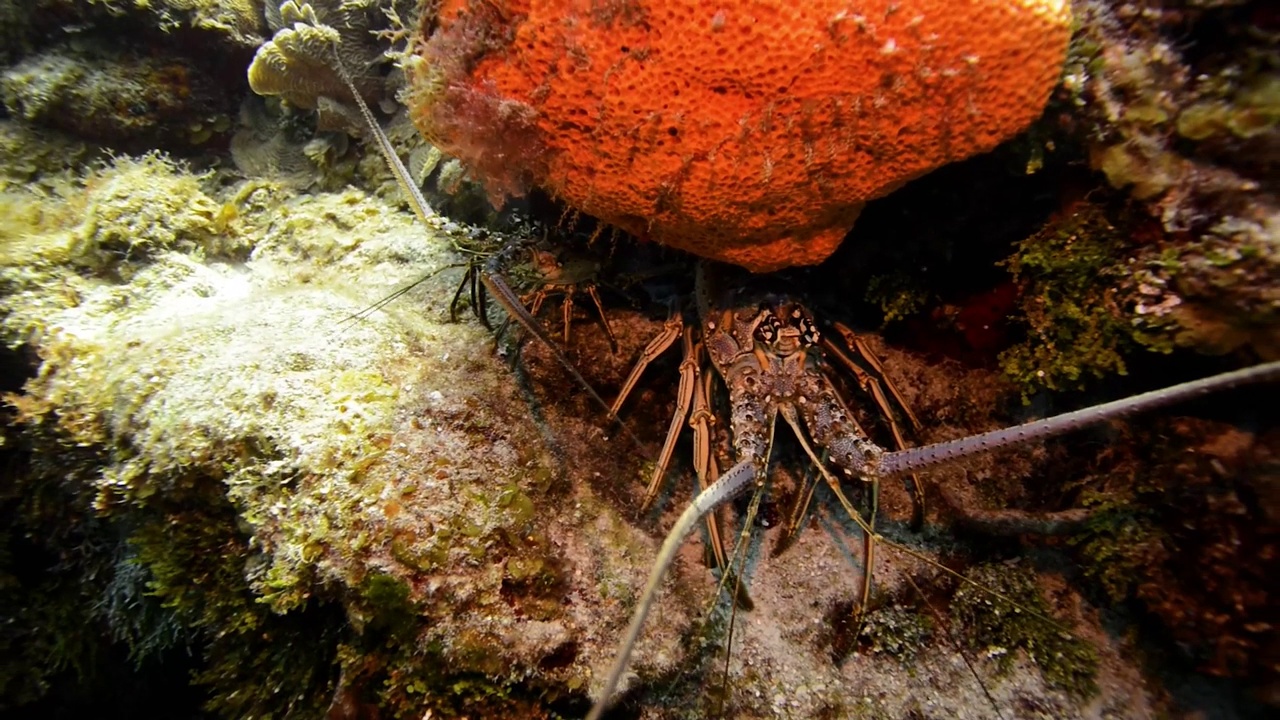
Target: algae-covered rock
(1071, 277)
(378, 480)
(241, 21)
(1180, 108)
(107, 93)
(134, 75)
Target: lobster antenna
(903, 461)
(734, 481)
(401, 173)
(490, 276)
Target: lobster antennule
(903, 461)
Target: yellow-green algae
(240, 19)
(347, 509)
(1068, 276)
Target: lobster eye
(809, 334)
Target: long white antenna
(734, 481)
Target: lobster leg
(701, 419)
(855, 343)
(604, 319)
(684, 397)
(670, 332)
(875, 388)
(566, 312)
(534, 301)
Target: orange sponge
(749, 131)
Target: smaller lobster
(546, 272)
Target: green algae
(1066, 274)
(898, 295)
(897, 631)
(999, 630)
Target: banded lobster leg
(691, 404)
(555, 276)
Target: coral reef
(27, 24)
(751, 133)
(1170, 244)
(281, 474)
(272, 142)
(303, 65)
(367, 514)
(174, 84)
(239, 20)
(225, 480)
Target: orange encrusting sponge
(748, 131)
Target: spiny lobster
(771, 357)
(769, 353)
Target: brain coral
(750, 131)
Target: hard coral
(752, 131)
(298, 62)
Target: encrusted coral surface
(239, 20)
(1192, 131)
(103, 92)
(378, 468)
(750, 132)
